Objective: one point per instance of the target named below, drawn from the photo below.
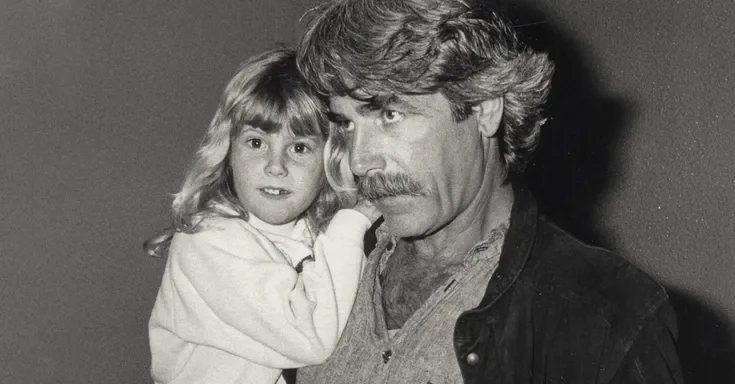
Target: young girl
(248, 288)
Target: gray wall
(102, 104)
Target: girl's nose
(276, 164)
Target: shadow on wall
(573, 167)
(574, 162)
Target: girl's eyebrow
(248, 128)
(306, 137)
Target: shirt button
(473, 359)
(387, 354)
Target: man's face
(438, 163)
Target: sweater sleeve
(342, 247)
(230, 288)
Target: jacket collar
(519, 241)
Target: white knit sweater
(233, 309)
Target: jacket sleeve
(653, 359)
(230, 288)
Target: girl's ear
(489, 113)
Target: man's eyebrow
(375, 103)
(336, 117)
(401, 103)
(378, 103)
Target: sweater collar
(297, 229)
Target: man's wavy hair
(465, 49)
(267, 92)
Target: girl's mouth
(275, 191)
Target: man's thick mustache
(382, 185)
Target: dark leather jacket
(560, 311)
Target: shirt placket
(479, 265)
(397, 352)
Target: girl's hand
(367, 208)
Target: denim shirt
(555, 311)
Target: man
(440, 107)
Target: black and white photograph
(367, 192)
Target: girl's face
(277, 175)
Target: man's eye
(255, 143)
(391, 116)
(301, 148)
(344, 125)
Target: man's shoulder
(568, 269)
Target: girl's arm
(342, 245)
(228, 287)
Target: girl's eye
(301, 148)
(255, 143)
(391, 116)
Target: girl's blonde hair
(267, 92)
(337, 166)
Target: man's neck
(419, 267)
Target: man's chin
(404, 216)
(404, 226)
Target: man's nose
(365, 152)
(276, 164)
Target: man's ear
(489, 113)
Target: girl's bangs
(272, 111)
(306, 116)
